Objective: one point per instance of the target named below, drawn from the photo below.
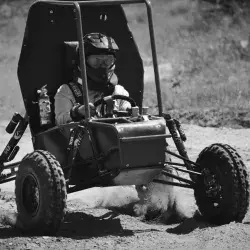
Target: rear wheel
(40, 193)
(222, 195)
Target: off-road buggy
(119, 148)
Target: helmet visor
(100, 61)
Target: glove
(120, 90)
(92, 109)
(78, 111)
(121, 104)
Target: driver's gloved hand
(78, 111)
(121, 105)
(92, 109)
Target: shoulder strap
(77, 91)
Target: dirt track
(83, 229)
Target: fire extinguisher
(44, 107)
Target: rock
(202, 123)
(244, 49)
(244, 44)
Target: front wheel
(222, 195)
(40, 193)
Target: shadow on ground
(190, 225)
(79, 225)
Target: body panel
(127, 157)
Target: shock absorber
(178, 136)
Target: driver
(100, 57)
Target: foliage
(202, 47)
(208, 50)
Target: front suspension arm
(171, 124)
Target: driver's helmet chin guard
(100, 55)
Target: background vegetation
(202, 49)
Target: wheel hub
(212, 188)
(30, 195)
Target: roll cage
(52, 23)
(79, 23)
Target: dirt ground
(84, 229)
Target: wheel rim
(31, 195)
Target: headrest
(71, 53)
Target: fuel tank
(138, 148)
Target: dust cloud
(8, 215)
(164, 203)
(154, 202)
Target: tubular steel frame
(4, 157)
(79, 24)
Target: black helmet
(99, 44)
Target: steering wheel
(103, 101)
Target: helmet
(97, 43)
(100, 68)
